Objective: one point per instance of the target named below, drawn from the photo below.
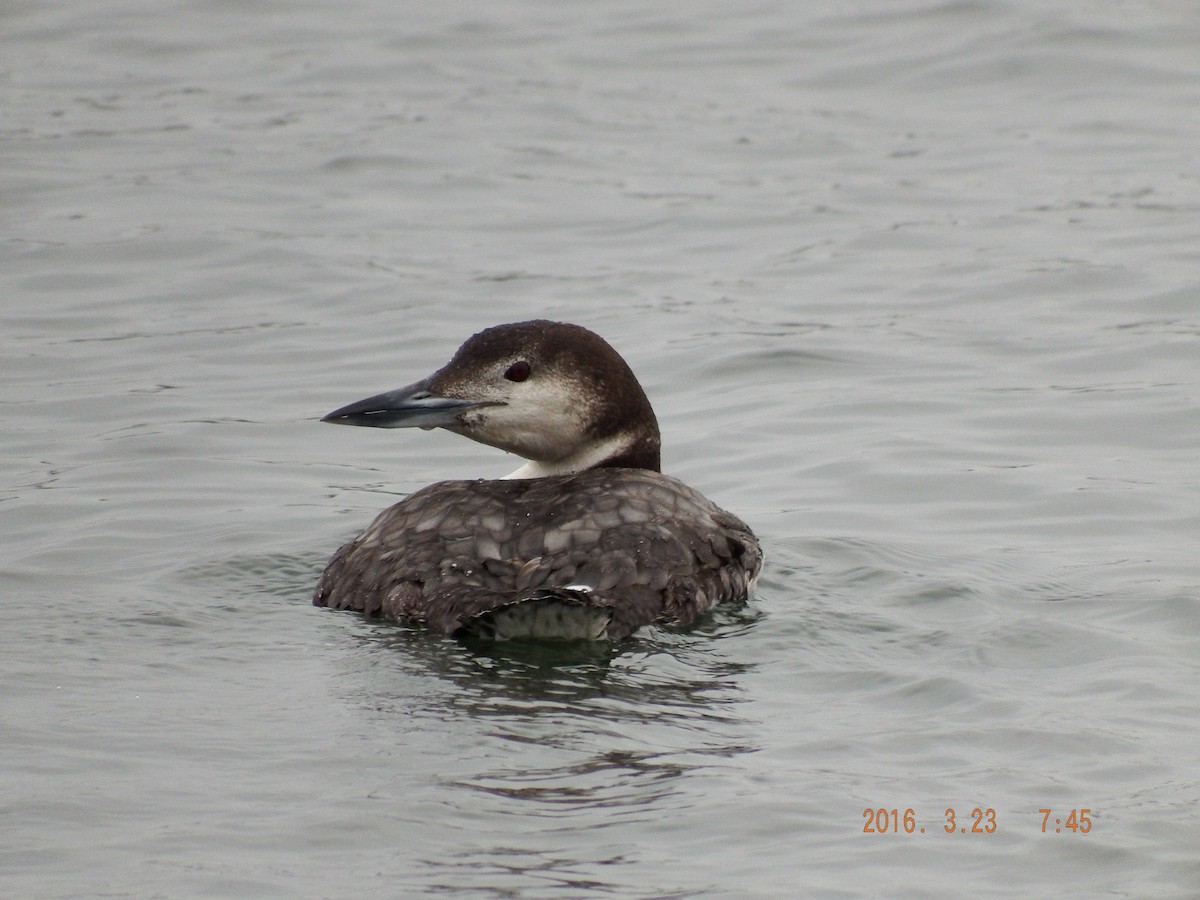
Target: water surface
(913, 289)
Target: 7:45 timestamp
(1077, 821)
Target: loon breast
(587, 540)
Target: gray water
(914, 286)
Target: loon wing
(593, 555)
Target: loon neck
(620, 452)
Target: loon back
(586, 541)
(608, 551)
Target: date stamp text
(976, 820)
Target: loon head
(554, 393)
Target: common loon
(587, 540)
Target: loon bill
(587, 540)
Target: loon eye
(518, 371)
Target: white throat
(587, 458)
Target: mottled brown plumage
(650, 549)
(588, 540)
